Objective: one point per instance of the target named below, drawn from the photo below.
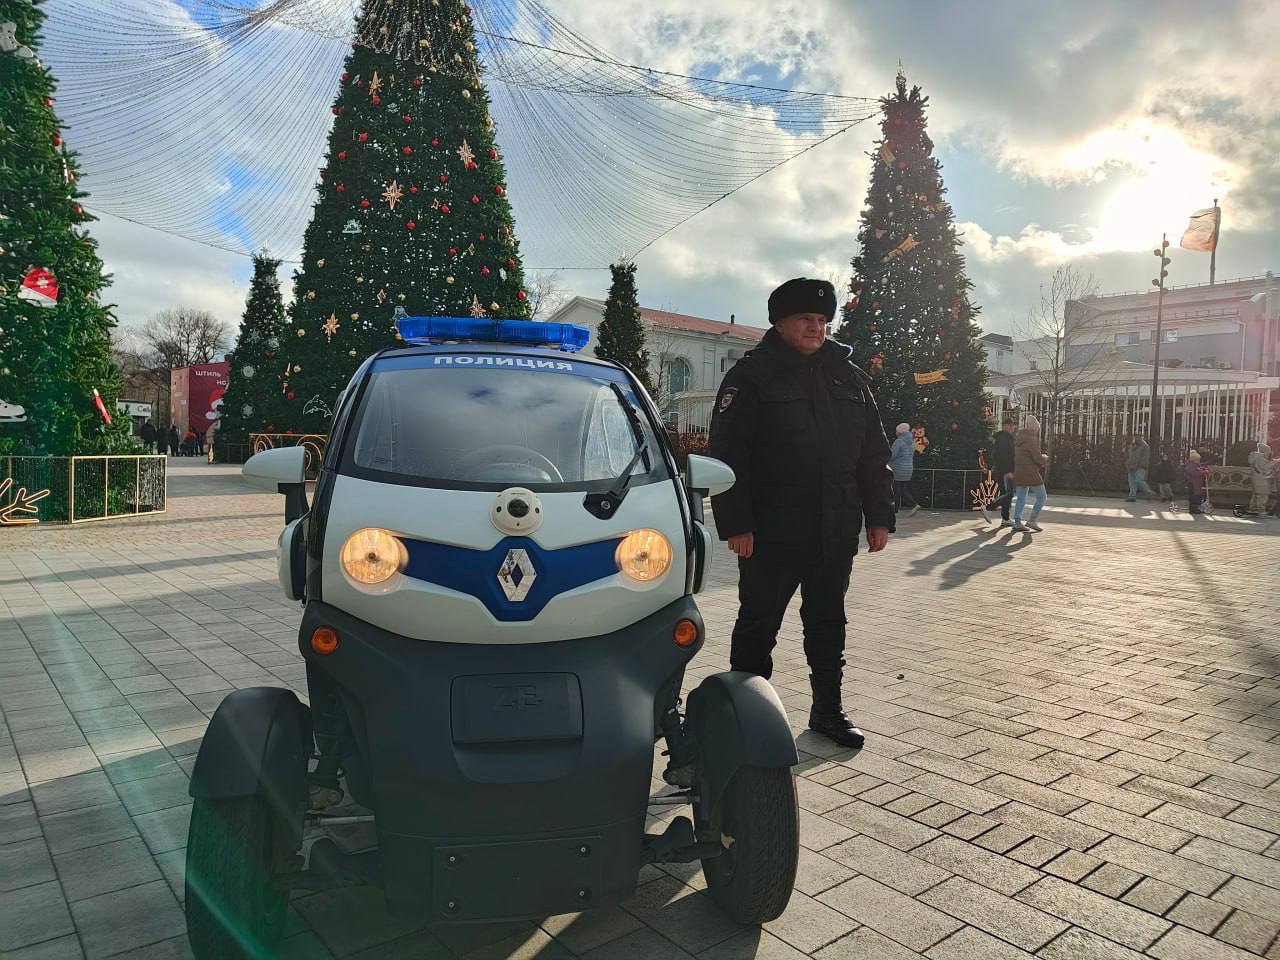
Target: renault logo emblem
(516, 575)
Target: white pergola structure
(1196, 405)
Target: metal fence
(941, 489)
(81, 489)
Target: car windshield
(496, 427)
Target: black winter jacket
(805, 440)
(1002, 459)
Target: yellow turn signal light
(324, 641)
(644, 555)
(686, 633)
(372, 556)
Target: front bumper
(506, 781)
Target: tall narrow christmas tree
(412, 209)
(58, 385)
(620, 336)
(909, 318)
(253, 401)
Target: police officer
(797, 422)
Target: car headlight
(644, 555)
(373, 555)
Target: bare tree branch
(546, 294)
(172, 338)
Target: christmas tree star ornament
(466, 154)
(40, 287)
(375, 83)
(477, 310)
(330, 327)
(393, 194)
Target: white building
(1006, 355)
(688, 356)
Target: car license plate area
(507, 880)
(504, 708)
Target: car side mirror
(282, 470)
(708, 475)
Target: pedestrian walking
(1003, 464)
(173, 440)
(1139, 460)
(148, 434)
(1028, 474)
(1195, 475)
(903, 459)
(1162, 477)
(798, 423)
(1262, 469)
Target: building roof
(681, 321)
(1001, 338)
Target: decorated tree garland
(908, 315)
(412, 209)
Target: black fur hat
(802, 295)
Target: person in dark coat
(148, 434)
(1002, 466)
(1162, 477)
(797, 422)
(173, 440)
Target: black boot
(827, 716)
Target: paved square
(1074, 743)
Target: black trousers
(766, 583)
(902, 498)
(1006, 497)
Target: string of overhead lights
(208, 119)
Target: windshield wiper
(606, 505)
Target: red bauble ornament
(346, 77)
(78, 209)
(48, 101)
(499, 190)
(364, 204)
(954, 425)
(482, 236)
(453, 251)
(444, 178)
(412, 225)
(511, 264)
(57, 139)
(474, 198)
(407, 151)
(336, 109)
(342, 154)
(520, 295)
(493, 154)
(408, 119)
(341, 188)
(871, 328)
(360, 83)
(363, 138)
(376, 101)
(434, 142)
(473, 165)
(417, 81)
(413, 188)
(444, 208)
(289, 395)
(484, 271)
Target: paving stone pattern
(1074, 743)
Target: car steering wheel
(480, 464)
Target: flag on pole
(1202, 232)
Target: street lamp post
(1158, 283)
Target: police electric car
(498, 566)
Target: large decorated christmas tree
(909, 318)
(253, 401)
(58, 386)
(412, 209)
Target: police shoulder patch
(726, 398)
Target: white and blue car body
(501, 557)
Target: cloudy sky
(1067, 132)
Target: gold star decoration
(393, 194)
(375, 83)
(330, 326)
(382, 296)
(466, 154)
(476, 309)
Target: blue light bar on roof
(530, 333)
